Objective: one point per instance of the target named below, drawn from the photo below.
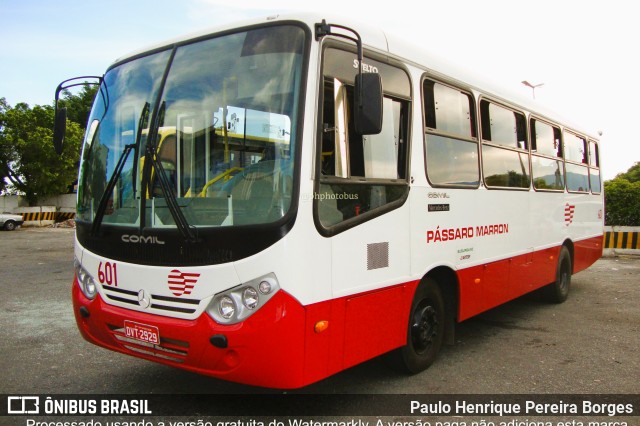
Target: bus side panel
(471, 293)
(360, 328)
(543, 272)
(495, 283)
(522, 275)
(586, 252)
(483, 287)
(376, 323)
(486, 286)
(321, 348)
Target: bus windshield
(206, 127)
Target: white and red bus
(275, 202)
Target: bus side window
(451, 140)
(505, 152)
(328, 154)
(546, 161)
(594, 168)
(358, 174)
(576, 162)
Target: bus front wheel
(425, 332)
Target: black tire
(9, 225)
(425, 331)
(558, 291)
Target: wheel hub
(424, 328)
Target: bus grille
(161, 303)
(168, 349)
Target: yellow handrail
(222, 175)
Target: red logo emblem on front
(181, 282)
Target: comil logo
(23, 405)
(152, 239)
(181, 283)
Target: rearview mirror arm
(323, 29)
(59, 126)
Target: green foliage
(511, 179)
(28, 163)
(632, 175)
(622, 198)
(79, 105)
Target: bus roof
(376, 39)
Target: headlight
(90, 288)
(82, 275)
(226, 307)
(85, 280)
(250, 298)
(238, 303)
(264, 287)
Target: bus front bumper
(266, 349)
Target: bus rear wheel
(425, 331)
(558, 291)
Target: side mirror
(368, 105)
(60, 121)
(59, 129)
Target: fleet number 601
(108, 273)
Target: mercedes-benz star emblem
(143, 299)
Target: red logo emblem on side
(569, 210)
(181, 282)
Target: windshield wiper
(106, 195)
(172, 203)
(134, 174)
(151, 158)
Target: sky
(583, 52)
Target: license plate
(142, 332)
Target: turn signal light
(321, 326)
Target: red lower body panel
(487, 286)
(279, 346)
(586, 253)
(361, 327)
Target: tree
(622, 198)
(28, 163)
(632, 175)
(79, 105)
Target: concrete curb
(625, 238)
(43, 215)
